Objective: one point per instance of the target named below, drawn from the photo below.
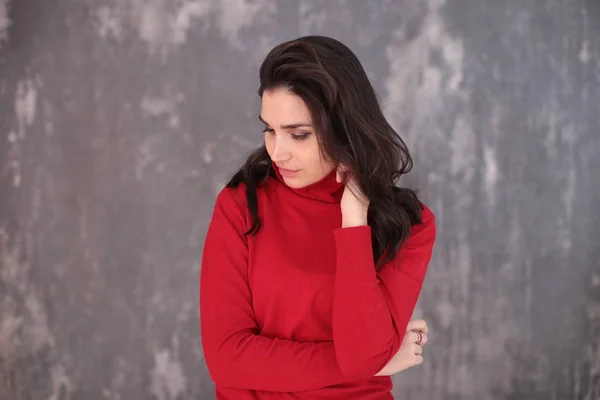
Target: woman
(314, 259)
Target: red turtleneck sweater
(299, 311)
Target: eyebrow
(287, 126)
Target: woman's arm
(371, 309)
(236, 356)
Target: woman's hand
(410, 353)
(354, 203)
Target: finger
(355, 188)
(415, 323)
(418, 325)
(425, 328)
(414, 337)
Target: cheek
(317, 162)
(325, 164)
(326, 167)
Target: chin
(295, 183)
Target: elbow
(218, 360)
(216, 368)
(223, 370)
(222, 358)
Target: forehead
(280, 107)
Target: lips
(288, 173)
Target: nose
(281, 151)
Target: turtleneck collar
(327, 189)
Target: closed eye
(295, 136)
(300, 136)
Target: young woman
(314, 258)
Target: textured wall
(120, 121)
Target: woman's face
(291, 140)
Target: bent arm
(372, 309)
(236, 355)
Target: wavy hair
(351, 131)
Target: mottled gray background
(120, 120)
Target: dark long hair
(351, 130)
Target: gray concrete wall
(120, 120)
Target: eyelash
(294, 136)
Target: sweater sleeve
(372, 308)
(236, 355)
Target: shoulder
(232, 201)
(427, 216)
(423, 233)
